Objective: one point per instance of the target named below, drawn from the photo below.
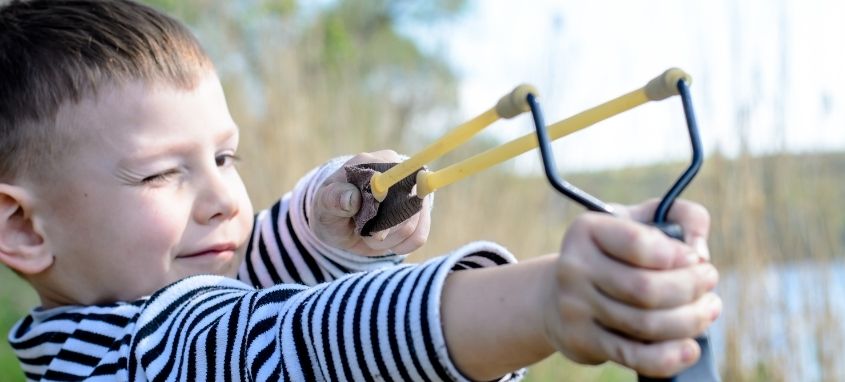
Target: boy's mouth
(213, 250)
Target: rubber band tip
(666, 84)
(424, 186)
(515, 102)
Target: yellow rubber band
(380, 183)
(512, 104)
(428, 182)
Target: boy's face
(147, 195)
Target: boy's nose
(216, 200)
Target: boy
(121, 206)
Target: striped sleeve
(75, 343)
(283, 249)
(380, 325)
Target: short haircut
(58, 51)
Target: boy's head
(53, 52)
(116, 151)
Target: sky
(767, 74)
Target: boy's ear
(22, 245)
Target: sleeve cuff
(474, 255)
(301, 209)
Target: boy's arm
(307, 236)
(384, 324)
(618, 291)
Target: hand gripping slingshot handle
(671, 82)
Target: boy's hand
(627, 293)
(337, 201)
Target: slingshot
(510, 106)
(524, 98)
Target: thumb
(341, 200)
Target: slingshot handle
(705, 369)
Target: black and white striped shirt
(302, 312)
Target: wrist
(493, 317)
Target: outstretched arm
(383, 324)
(618, 291)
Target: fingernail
(346, 201)
(710, 275)
(692, 258)
(715, 308)
(700, 246)
(688, 353)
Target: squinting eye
(159, 178)
(226, 159)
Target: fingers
(375, 157)
(635, 243)
(420, 234)
(335, 204)
(405, 237)
(693, 217)
(586, 341)
(339, 201)
(647, 294)
(659, 359)
(684, 321)
(696, 222)
(651, 289)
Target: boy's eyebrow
(180, 148)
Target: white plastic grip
(666, 84)
(515, 103)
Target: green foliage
(280, 8)
(16, 299)
(558, 368)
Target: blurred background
(310, 80)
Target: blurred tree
(350, 49)
(363, 51)
(337, 77)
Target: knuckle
(405, 230)
(703, 323)
(568, 263)
(327, 195)
(647, 326)
(568, 266)
(702, 212)
(387, 155)
(585, 221)
(417, 241)
(669, 363)
(639, 242)
(644, 291)
(580, 349)
(707, 277)
(324, 220)
(624, 354)
(568, 311)
(362, 157)
(661, 366)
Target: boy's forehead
(138, 102)
(132, 119)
